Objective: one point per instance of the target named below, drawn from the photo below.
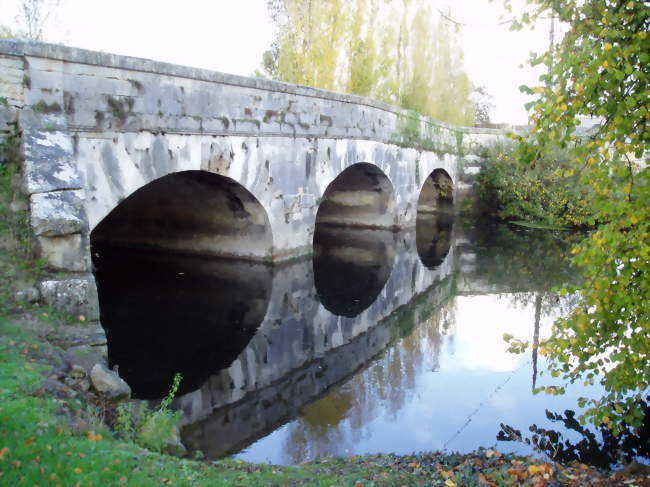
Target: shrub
(545, 192)
(151, 429)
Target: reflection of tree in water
(332, 425)
(528, 264)
(600, 448)
(545, 303)
(525, 260)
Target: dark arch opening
(193, 212)
(178, 291)
(361, 196)
(435, 219)
(354, 245)
(437, 194)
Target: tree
(601, 69)
(35, 14)
(391, 50)
(8, 33)
(309, 41)
(361, 50)
(483, 105)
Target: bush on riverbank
(547, 192)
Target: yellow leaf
(450, 483)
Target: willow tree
(395, 51)
(309, 42)
(436, 84)
(362, 55)
(601, 68)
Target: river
(379, 342)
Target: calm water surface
(382, 342)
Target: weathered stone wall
(97, 127)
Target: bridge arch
(437, 193)
(359, 196)
(193, 211)
(434, 221)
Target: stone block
(74, 296)
(82, 118)
(247, 127)
(291, 117)
(152, 123)
(45, 64)
(66, 252)
(12, 78)
(58, 213)
(188, 124)
(12, 91)
(7, 116)
(10, 62)
(94, 71)
(49, 158)
(32, 121)
(44, 101)
(288, 129)
(109, 384)
(270, 128)
(49, 80)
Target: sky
(231, 35)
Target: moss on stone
(42, 107)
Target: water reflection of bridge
(301, 348)
(256, 344)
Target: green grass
(39, 447)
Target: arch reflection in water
(166, 314)
(351, 267)
(433, 237)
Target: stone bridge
(120, 151)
